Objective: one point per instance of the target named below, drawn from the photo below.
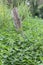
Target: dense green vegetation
(18, 49)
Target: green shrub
(5, 17)
(23, 11)
(40, 11)
(34, 7)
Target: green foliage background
(16, 49)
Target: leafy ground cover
(16, 49)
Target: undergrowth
(16, 49)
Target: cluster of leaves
(34, 7)
(23, 11)
(40, 11)
(24, 48)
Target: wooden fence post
(16, 18)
